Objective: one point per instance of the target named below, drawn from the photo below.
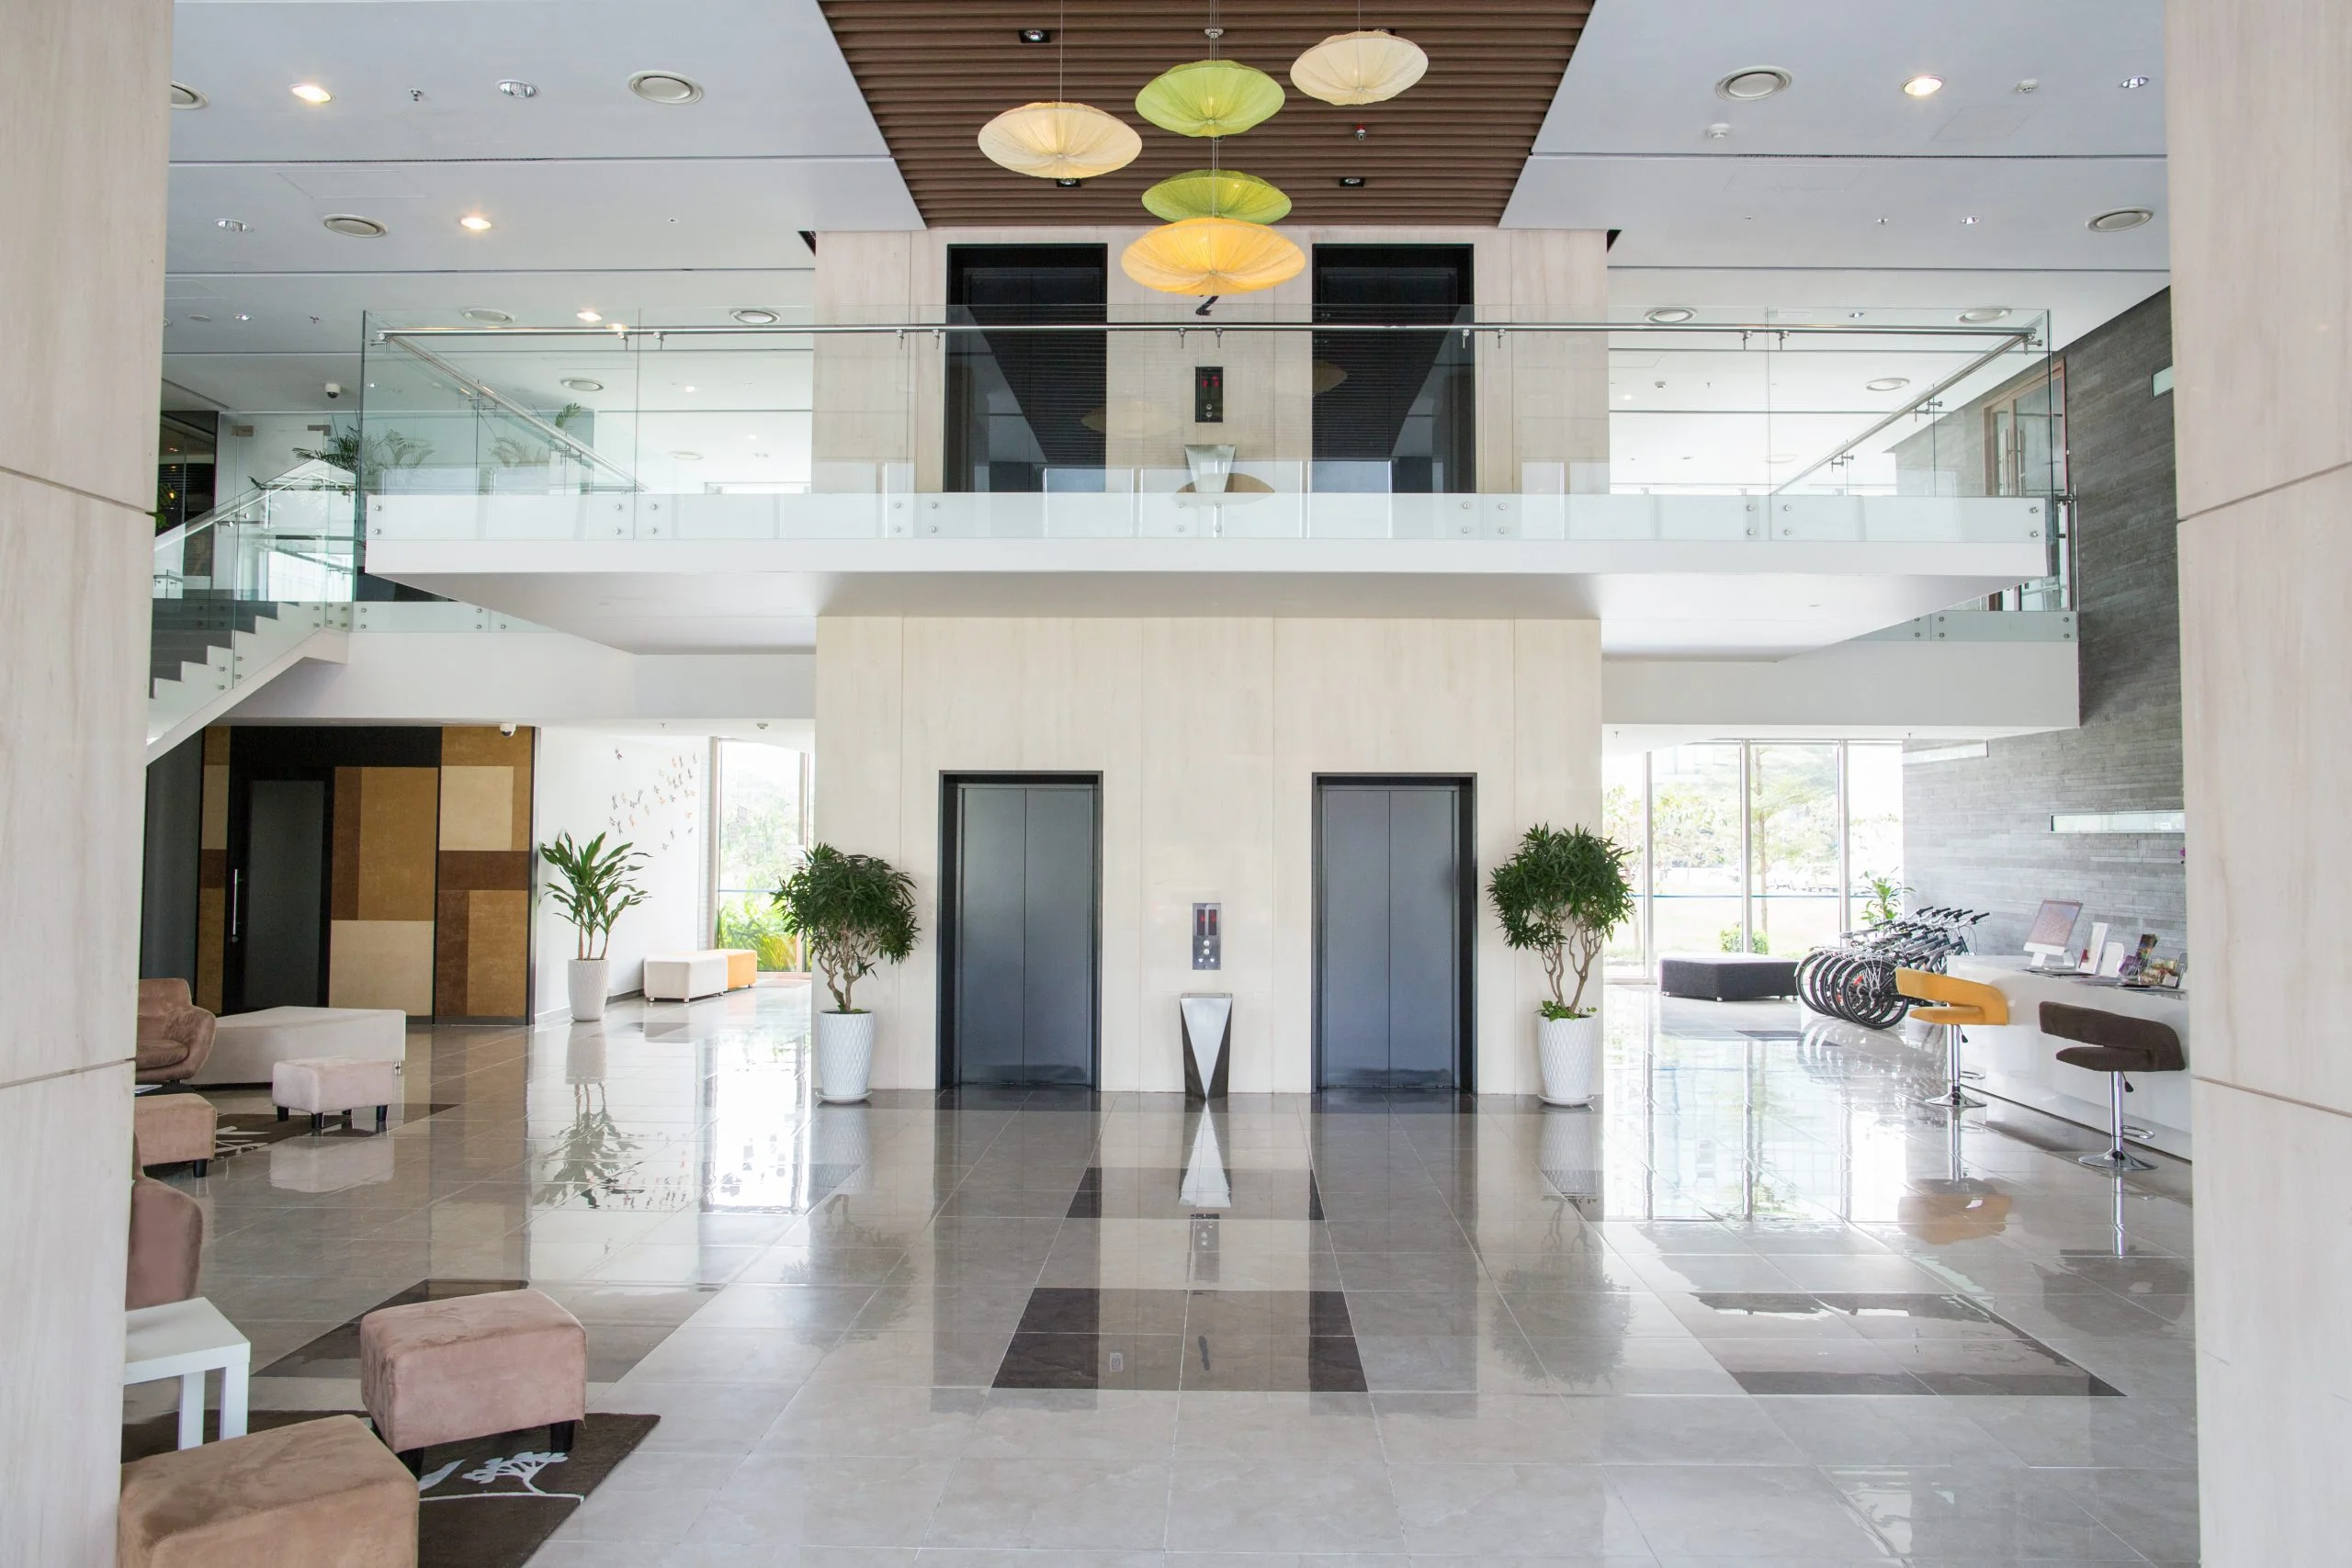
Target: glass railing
(1249, 420)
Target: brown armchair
(175, 1034)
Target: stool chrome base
(2115, 1161)
(1955, 1097)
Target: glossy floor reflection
(1759, 1308)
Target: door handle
(236, 893)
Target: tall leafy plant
(852, 912)
(594, 887)
(1559, 897)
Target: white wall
(1208, 734)
(2259, 107)
(654, 794)
(1881, 688)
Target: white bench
(247, 1046)
(682, 977)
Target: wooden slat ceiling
(1447, 151)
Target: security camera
(334, 389)
(506, 729)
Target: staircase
(244, 592)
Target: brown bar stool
(2114, 1044)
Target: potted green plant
(593, 889)
(852, 913)
(1559, 897)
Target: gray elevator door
(1025, 948)
(1389, 934)
(285, 887)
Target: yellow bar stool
(1957, 1002)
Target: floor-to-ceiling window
(760, 799)
(1763, 846)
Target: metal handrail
(555, 436)
(2026, 339)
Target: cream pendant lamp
(1210, 257)
(1363, 67)
(1216, 193)
(1057, 140)
(1210, 98)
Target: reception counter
(2021, 1063)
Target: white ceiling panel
(1644, 77)
(1729, 210)
(416, 82)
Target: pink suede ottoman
(471, 1367)
(315, 1494)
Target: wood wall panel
(1448, 150)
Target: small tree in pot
(1559, 897)
(594, 889)
(852, 913)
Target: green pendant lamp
(1216, 193)
(1210, 98)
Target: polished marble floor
(1759, 1309)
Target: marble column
(82, 86)
(2260, 111)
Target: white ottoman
(326, 1084)
(681, 977)
(246, 1046)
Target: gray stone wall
(1976, 831)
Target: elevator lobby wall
(1208, 735)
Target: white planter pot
(845, 1056)
(1568, 1051)
(585, 980)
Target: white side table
(185, 1340)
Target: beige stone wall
(82, 114)
(1542, 401)
(2259, 111)
(1208, 735)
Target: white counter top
(2021, 1063)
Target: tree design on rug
(522, 1467)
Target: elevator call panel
(1207, 937)
(1208, 394)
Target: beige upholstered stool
(319, 1494)
(326, 1084)
(471, 1366)
(167, 1128)
(742, 967)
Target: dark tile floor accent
(1259, 1341)
(1125, 1192)
(623, 1323)
(1875, 1342)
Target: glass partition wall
(1758, 846)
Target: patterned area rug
(528, 1489)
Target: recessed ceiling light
(242, 317)
(2121, 218)
(1351, 182)
(1786, 458)
(1984, 313)
(1753, 81)
(591, 317)
(187, 97)
(1037, 34)
(1856, 315)
(1924, 86)
(689, 388)
(665, 87)
(2129, 82)
(199, 318)
(753, 317)
(582, 384)
(687, 457)
(482, 315)
(1969, 222)
(514, 89)
(2028, 85)
(354, 226)
(313, 93)
(1888, 384)
(238, 225)
(1670, 315)
(1067, 183)
(474, 221)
